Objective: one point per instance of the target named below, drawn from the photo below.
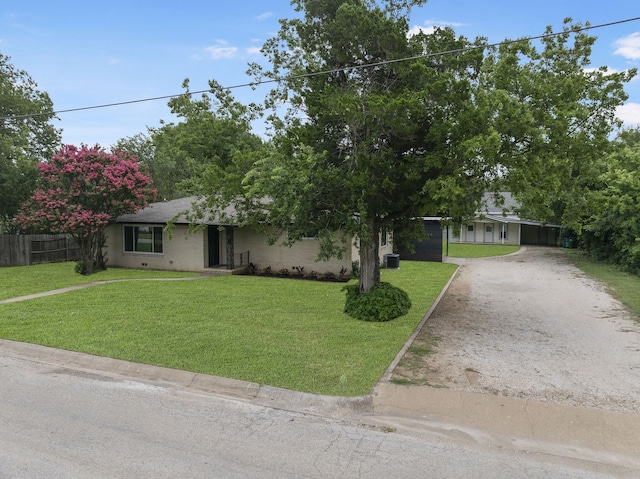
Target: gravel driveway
(533, 326)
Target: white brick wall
(188, 252)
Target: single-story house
(500, 224)
(140, 241)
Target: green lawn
(24, 280)
(622, 285)
(286, 333)
(469, 250)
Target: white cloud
(221, 50)
(430, 26)
(417, 29)
(610, 71)
(264, 16)
(254, 50)
(629, 46)
(629, 113)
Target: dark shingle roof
(492, 207)
(164, 211)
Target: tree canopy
(555, 114)
(374, 142)
(27, 137)
(383, 128)
(212, 129)
(82, 191)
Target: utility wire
(325, 72)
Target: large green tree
(382, 128)
(27, 137)
(374, 141)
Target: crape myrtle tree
(27, 137)
(83, 190)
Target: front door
(213, 241)
(471, 234)
(488, 233)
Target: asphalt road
(58, 422)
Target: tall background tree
(611, 228)
(82, 191)
(212, 129)
(27, 137)
(555, 114)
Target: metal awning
(515, 220)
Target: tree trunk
(90, 257)
(369, 260)
(94, 240)
(85, 254)
(100, 257)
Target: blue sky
(86, 53)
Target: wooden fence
(24, 250)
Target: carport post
(447, 241)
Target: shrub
(330, 276)
(382, 303)
(252, 269)
(355, 269)
(82, 268)
(343, 274)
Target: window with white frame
(143, 239)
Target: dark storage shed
(429, 249)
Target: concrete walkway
(597, 435)
(52, 292)
(590, 434)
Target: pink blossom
(84, 189)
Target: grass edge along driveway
(285, 333)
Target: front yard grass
(622, 285)
(282, 332)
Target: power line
(325, 72)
